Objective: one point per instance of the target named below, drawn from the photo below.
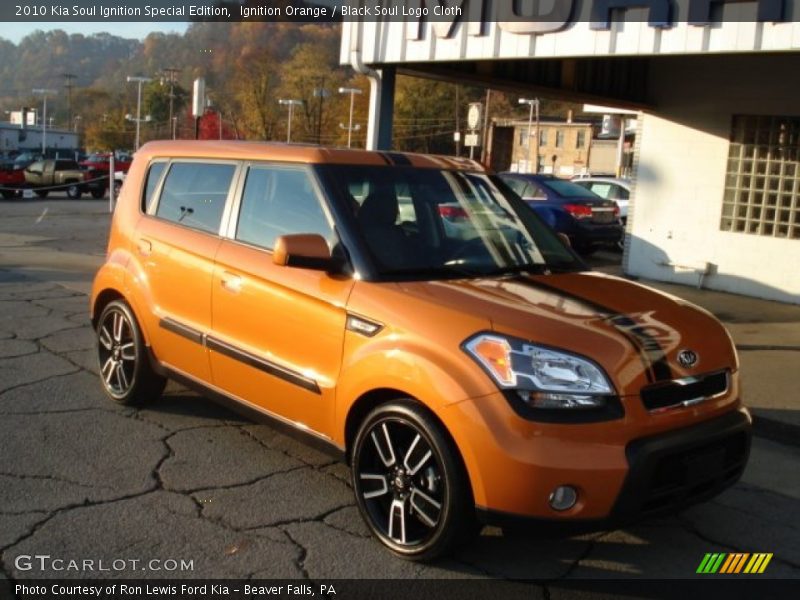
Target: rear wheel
(125, 370)
(98, 193)
(42, 193)
(74, 191)
(410, 486)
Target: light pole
(352, 92)
(44, 93)
(534, 105)
(291, 103)
(171, 72)
(139, 81)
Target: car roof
(302, 153)
(543, 176)
(620, 180)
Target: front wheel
(410, 486)
(98, 193)
(125, 370)
(42, 193)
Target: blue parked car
(588, 220)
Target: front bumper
(621, 469)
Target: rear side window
(153, 177)
(279, 201)
(194, 194)
(515, 184)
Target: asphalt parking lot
(185, 480)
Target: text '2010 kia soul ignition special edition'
(470, 371)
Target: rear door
(277, 332)
(175, 243)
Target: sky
(126, 30)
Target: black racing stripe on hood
(650, 351)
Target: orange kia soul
(412, 314)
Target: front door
(277, 332)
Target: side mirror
(565, 239)
(303, 250)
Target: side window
(153, 177)
(515, 184)
(194, 194)
(279, 201)
(603, 190)
(535, 192)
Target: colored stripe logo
(734, 563)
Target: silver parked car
(610, 188)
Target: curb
(776, 431)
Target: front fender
(436, 378)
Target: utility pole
(139, 81)
(291, 103)
(458, 121)
(485, 150)
(534, 106)
(321, 93)
(352, 92)
(68, 79)
(44, 93)
(171, 73)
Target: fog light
(563, 497)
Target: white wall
(683, 150)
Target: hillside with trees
(247, 66)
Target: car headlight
(543, 377)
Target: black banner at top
(600, 13)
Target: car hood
(635, 333)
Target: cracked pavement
(181, 478)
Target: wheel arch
(370, 400)
(103, 299)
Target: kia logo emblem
(687, 358)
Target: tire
(98, 193)
(125, 370)
(117, 188)
(9, 194)
(42, 193)
(428, 496)
(74, 191)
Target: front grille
(684, 392)
(695, 474)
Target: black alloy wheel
(410, 486)
(125, 370)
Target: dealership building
(716, 158)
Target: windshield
(426, 223)
(568, 189)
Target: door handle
(145, 247)
(231, 282)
